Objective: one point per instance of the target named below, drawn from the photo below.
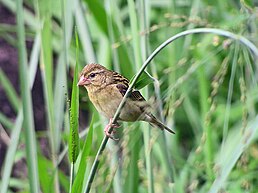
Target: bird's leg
(114, 126)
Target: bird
(106, 89)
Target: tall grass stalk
(74, 143)
(243, 40)
(144, 22)
(44, 14)
(230, 94)
(28, 121)
(10, 155)
(203, 89)
(241, 142)
(133, 172)
(203, 93)
(17, 127)
(9, 90)
(72, 176)
(83, 32)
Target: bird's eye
(92, 75)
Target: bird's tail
(154, 121)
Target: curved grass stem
(224, 33)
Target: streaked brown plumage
(106, 89)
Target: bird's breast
(107, 100)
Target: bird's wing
(123, 86)
(135, 95)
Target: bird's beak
(83, 81)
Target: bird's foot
(114, 126)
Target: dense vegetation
(205, 88)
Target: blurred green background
(206, 90)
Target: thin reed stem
(241, 39)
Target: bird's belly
(105, 103)
(110, 107)
(130, 112)
(107, 106)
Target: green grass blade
(74, 135)
(236, 144)
(74, 114)
(135, 33)
(9, 159)
(203, 94)
(43, 11)
(191, 77)
(230, 92)
(9, 91)
(29, 18)
(46, 181)
(47, 73)
(28, 121)
(98, 10)
(6, 121)
(34, 59)
(64, 181)
(144, 23)
(122, 60)
(143, 80)
(19, 184)
(74, 143)
(84, 34)
(132, 178)
(133, 171)
(60, 88)
(81, 177)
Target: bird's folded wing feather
(123, 85)
(135, 95)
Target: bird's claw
(106, 130)
(115, 125)
(110, 135)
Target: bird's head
(92, 75)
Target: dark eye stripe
(95, 73)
